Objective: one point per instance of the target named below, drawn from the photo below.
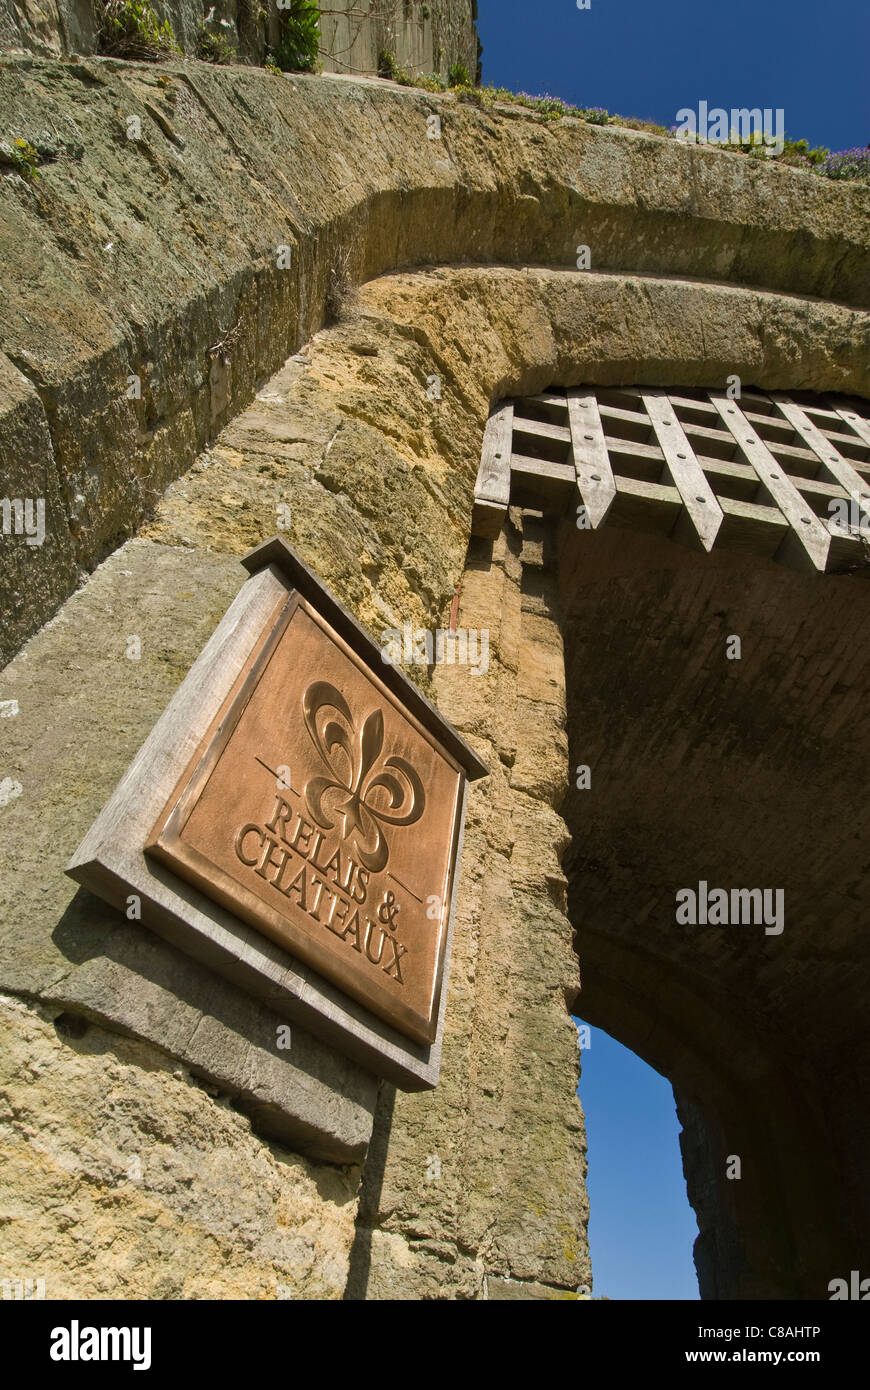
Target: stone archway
(785, 1231)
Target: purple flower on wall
(847, 164)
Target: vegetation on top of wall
(131, 29)
(798, 152)
(387, 65)
(298, 44)
(844, 164)
(547, 107)
(389, 69)
(847, 164)
(213, 47)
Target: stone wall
(146, 1183)
(422, 38)
(157, 258)
(478, 1191)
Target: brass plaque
(324, 814)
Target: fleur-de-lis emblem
(359, 793)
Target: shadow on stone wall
(370, 1195)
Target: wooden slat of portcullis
(700, 505)
(857, 423)
(813, 536)
(831, 457)
(595, 481)
(493, 487)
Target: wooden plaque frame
(121, 855)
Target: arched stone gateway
(712, 716)
(150, 1105)
(695, 760)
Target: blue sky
(641, 1227)
(648, 58)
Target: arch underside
(715, 702)
(744, 773)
